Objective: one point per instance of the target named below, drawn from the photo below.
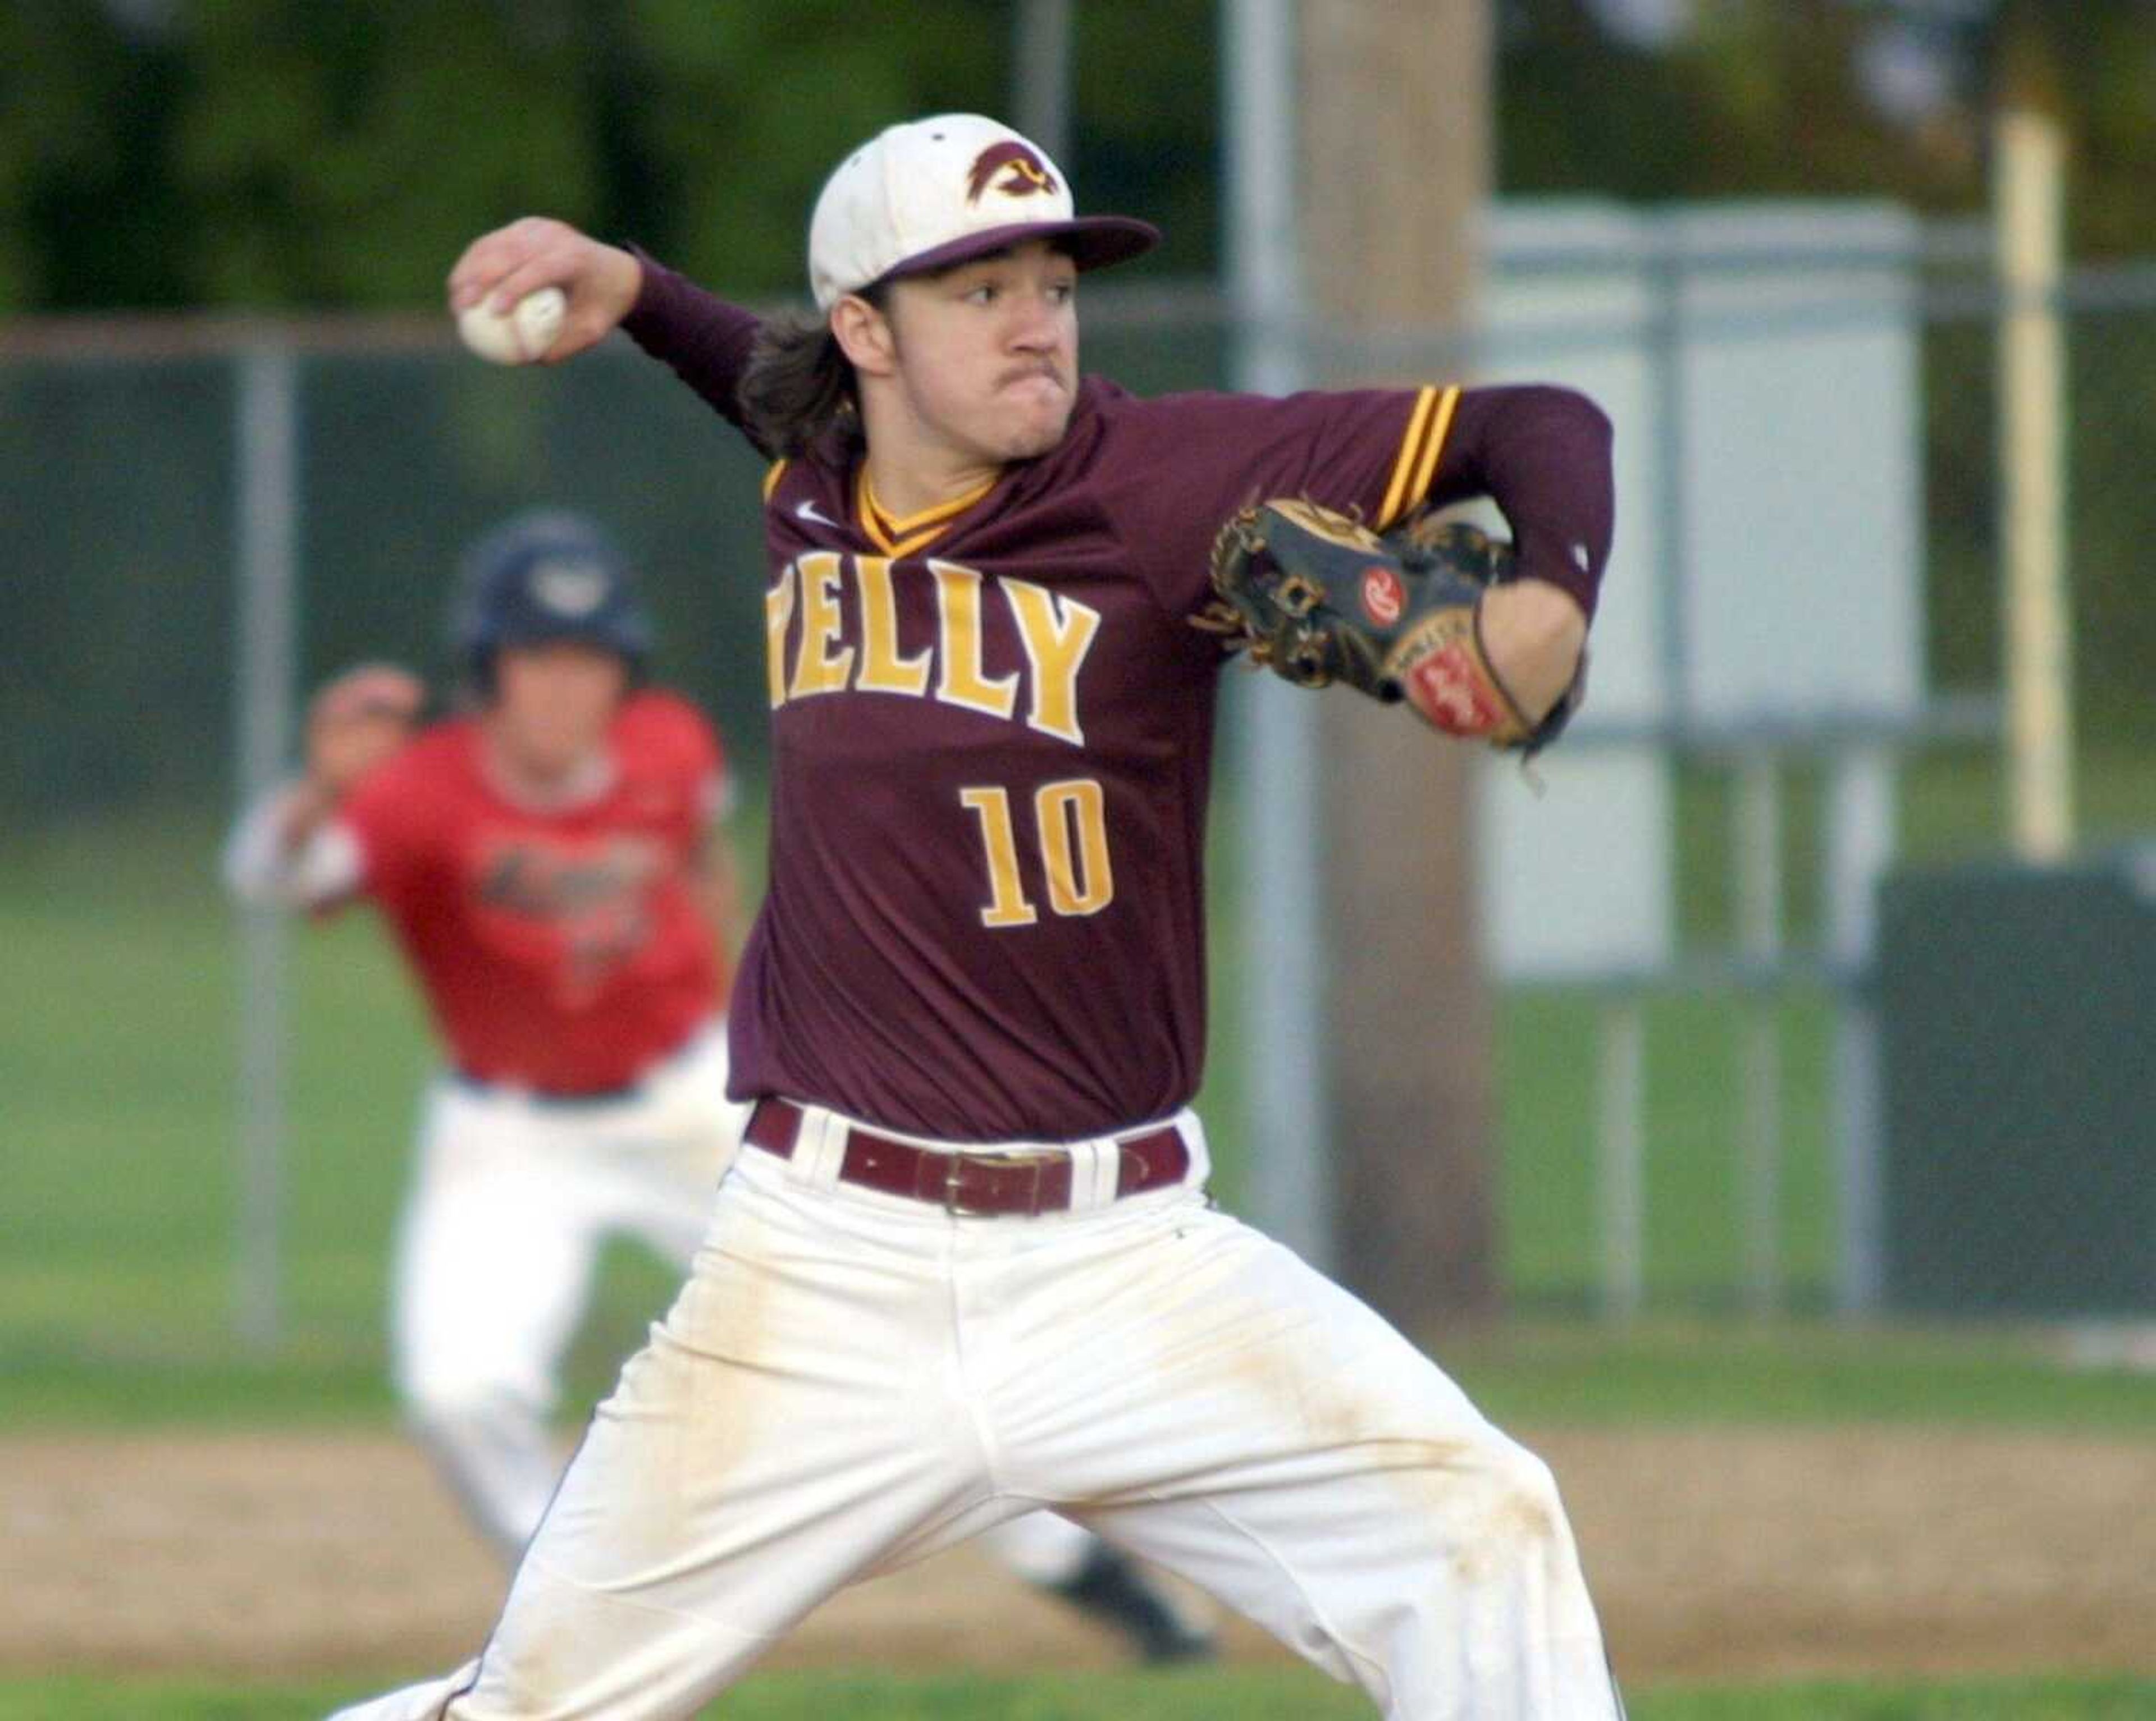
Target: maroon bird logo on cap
(1027, 173)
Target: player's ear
(865, 335)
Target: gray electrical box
(1753, 357)
(2017, 1011)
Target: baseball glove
(1317, 597)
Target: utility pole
(1396, 159)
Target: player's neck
(913, 475)
(537, 789)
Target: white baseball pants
(850, 1381)
(510, 1201)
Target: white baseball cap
(936, 192)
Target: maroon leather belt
(980, 1183)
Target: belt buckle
(954, 1201)
(954, 1169)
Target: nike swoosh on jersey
(809, 511)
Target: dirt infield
(1713, 1553)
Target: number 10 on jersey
(1070, 826)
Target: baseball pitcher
(964, 1265)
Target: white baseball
(518, 335)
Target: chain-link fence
(125, 470)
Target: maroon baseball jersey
(992, 730)
(560, 950)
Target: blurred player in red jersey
(554, 865)
(965, 1265)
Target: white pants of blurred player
(850, 1381)
(513, 1197)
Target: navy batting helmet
(547, 575)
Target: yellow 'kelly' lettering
(777, 612)
(1056, 631)
(817, 669)
(958, 606)
(883, 671)
(1057, 634)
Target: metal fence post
(1620, 1132)
(1275, 730)
(267, 438)
(1862, 829)
(1757, 860)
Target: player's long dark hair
(798, 383)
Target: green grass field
(118, 1200)
(1212, 1696)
